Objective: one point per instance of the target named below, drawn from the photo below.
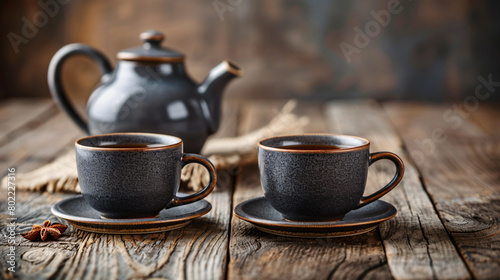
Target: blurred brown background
(428, 50)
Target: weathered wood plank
(198, 251)
(487, 117)
(42, 143)
(258, 255)
(19, 115)
(416, 242)
(460, 169)
(31, 143)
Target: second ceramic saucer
(262, 215)
(80, 215)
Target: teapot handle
(54, 77)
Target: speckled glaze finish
(319, 185)
(134, 182)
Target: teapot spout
(211, 91)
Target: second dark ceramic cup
(323, 184)
(135, 182)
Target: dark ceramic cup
(135, 175)
(319, 184)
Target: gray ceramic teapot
(149, 91)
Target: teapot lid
(151, 50)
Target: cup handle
(400, 170)
(194, 158)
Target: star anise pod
(45, 231)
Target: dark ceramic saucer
(80, 215)
(261, 214)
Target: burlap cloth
(224, 153)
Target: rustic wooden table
(447, 226)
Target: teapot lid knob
(151, 50)
(152, 37)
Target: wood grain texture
(43, 143)
(460, 173)
(194, 252)
(34, 133)
(198, 251)
(451, 189)
(416, 242)
(19, 114)
(258, 255)
(41, 132)
(487, 117)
